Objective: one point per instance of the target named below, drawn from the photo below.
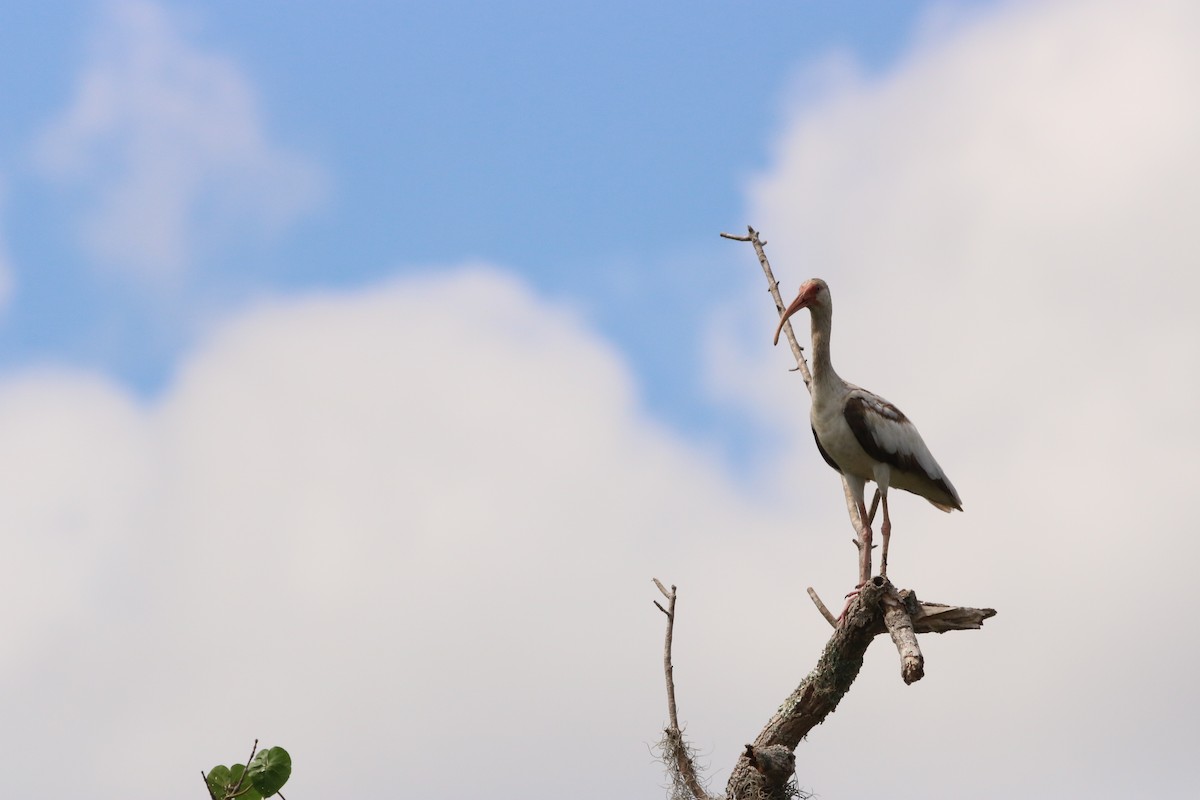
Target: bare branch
(238, 786)
(207, 786)
(677, 755)
(668, 667)
(900, 625)
(941, 618)
(780, 306)
(825, 612)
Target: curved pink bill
(800, 302)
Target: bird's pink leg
(864, 544)
(886, 530)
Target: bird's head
(814, 292)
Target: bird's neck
(822, 367)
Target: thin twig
(825, 612)
(676, 750)
(780, 307)
(668, 668)
(238, 786)
(207, 786)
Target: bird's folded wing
(888, 436)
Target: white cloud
(168, 142)
(391, 530)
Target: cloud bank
(390, 530)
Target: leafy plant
(262, 776)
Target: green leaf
(222, 779)
(218, 779)
(270, 770)
(248, 791)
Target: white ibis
(863, 436)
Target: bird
(863, 436)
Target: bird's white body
(838, 441)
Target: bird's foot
(850, 595)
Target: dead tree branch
(825, 612)
(764, 771)
(780, 306)
(676, 753)
(899, 625)
(878, 607)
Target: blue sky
(408, 328)
(595, 149)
